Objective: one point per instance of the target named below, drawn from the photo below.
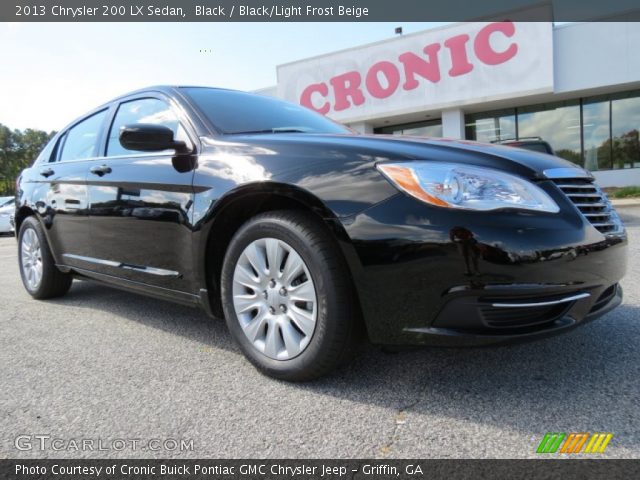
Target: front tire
(40, 276)
(287, 296)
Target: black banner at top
(315, 10)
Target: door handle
(46, 172)
(101, 170)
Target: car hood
(377, 148)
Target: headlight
(466, 187)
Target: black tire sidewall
(325, 330)
(53, 283)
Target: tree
(570, 155)
(626, 149)
(18, 150)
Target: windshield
(238, 112)
(6, 201)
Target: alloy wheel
(31, 258)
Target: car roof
(169, 90)
(166, 89)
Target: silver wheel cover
(274, 298)
(31, 259)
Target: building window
(599, 133)
(596, 134)
(431, 128)
(491, 126)
(556, 123)
(625, 124)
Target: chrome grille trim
(577, 187)
(583, 195)
(591, 205)
(567, 172)
(542, 303)
(591, 201)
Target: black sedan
(305, 235)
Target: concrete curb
(625, 202)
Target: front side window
(81, 141)
(145, 110)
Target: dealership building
(577, 86)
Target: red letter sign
(414, 64)
(392, 75)
(482, 45)
(459, 61)
(307, 101)
(345, 86)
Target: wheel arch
(230, 212)
(25, 212)
(21, 214)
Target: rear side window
(46, 155)
(145, 110)
(81, 141)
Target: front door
(64, 194)
(140, 205)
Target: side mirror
(147, 137)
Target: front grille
(591, 201)
(522, 317)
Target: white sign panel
(448, 67)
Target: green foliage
(18, 149)
(570, 155)
(626, 192)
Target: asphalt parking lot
(106, 364)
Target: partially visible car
(7, 201)
(6, 217)
(535, 144)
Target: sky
(54, 72)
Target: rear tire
(290, 327)
(40, 276)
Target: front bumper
(533, 326)
(432, 276)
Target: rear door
(61, 198)
(140, 204)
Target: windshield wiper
(271, 130)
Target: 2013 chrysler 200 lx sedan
(303, 234)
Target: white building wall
(453, 123)
(628, 177)
(362, 127)
(596, 55)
